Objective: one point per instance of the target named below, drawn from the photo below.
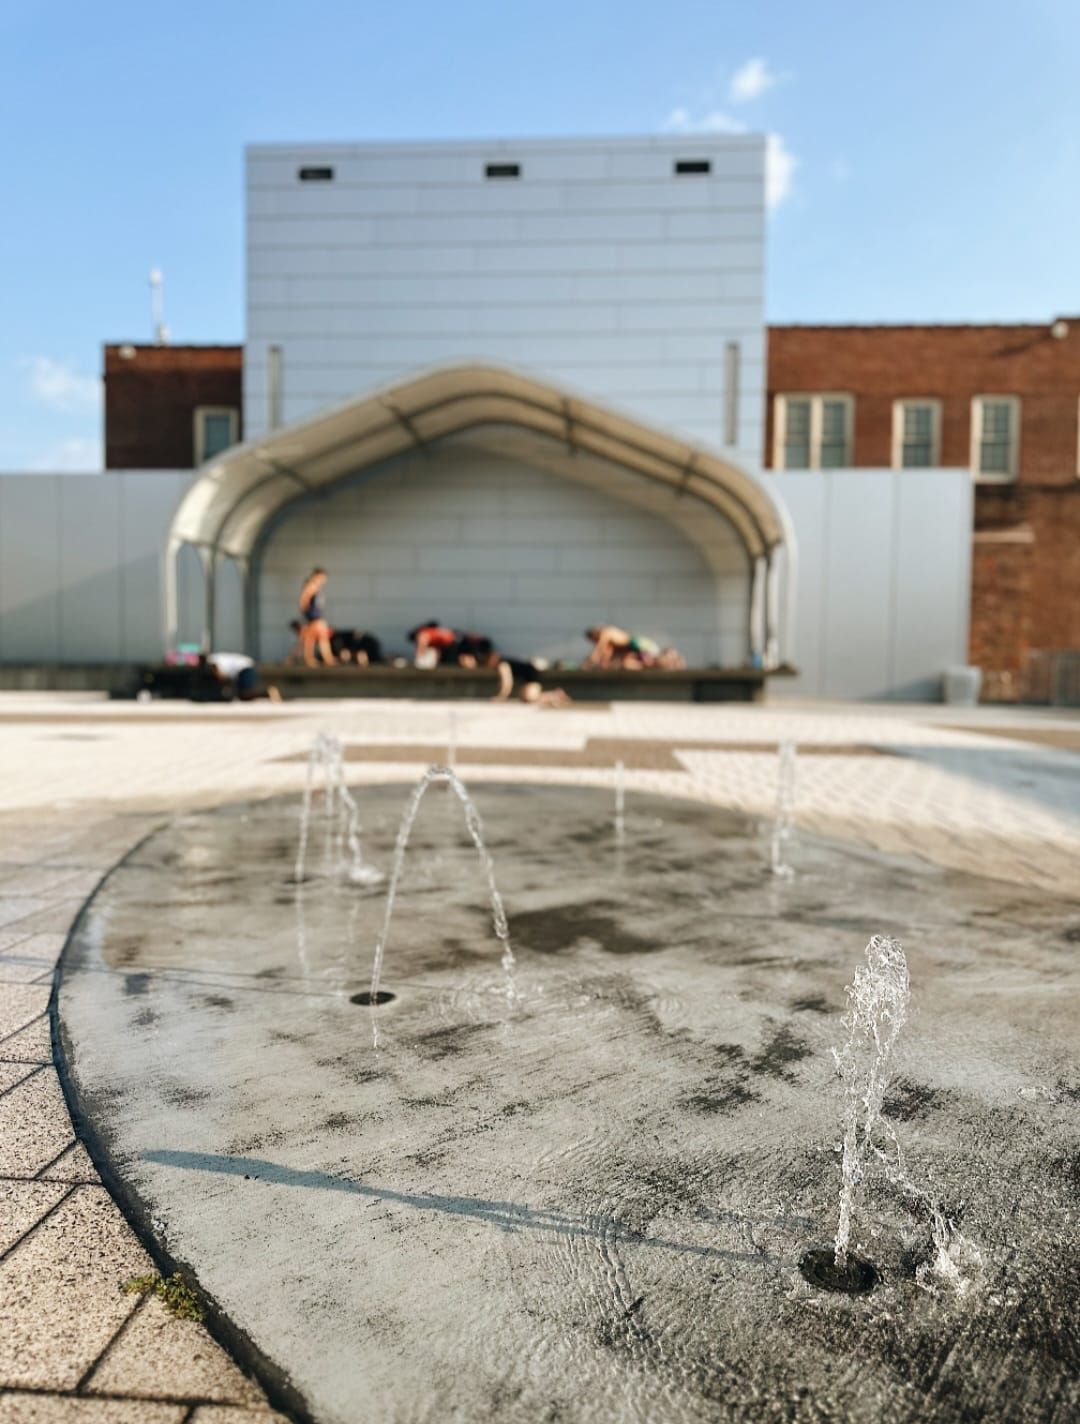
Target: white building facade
(629, 270)
(518, 387)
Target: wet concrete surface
(590, 1205)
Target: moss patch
(175, 1294)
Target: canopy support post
(249, 610)
(209, 560)
(757, 612)
(170, 621)
(772, 609)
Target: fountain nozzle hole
(820, 1268)
(384, 996)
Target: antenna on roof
(157, 307)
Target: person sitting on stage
(433, 643)
(613, 647)
(351, 646)
(470, 651)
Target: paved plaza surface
(984, 792)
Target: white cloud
(682, 121)
(750, 81)
(60, 388)
(780, 166)
(76, 455)
(780, 162)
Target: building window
(502, 170)
(684, 166)
(813, 432)
(995, 437)
(916, 440)
(315, 175)
(216, 429)
(795, 424)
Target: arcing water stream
(342, 815)
(474, 827)
(784, 815)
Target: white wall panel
(489, 543)
(80, 564)
(90, 567)
(30, 577)
(147, 501)
(598, 256)
(884, 565)
(884, 560)
(933, 577)
(859, 590)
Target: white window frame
(204, 410)
(992, 477)
(898, 430)
(817, 401)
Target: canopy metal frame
(241, 492)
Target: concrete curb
(236, 1343)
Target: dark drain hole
(855, 1277)
(384, 996)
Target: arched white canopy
(237, 494)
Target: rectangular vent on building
(316, 175)
(502, 170)
(692, 165)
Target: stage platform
(124, 680)
(583, 684)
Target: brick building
(1003, 400)
(171, 407)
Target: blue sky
(927, 155)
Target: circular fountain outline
(636, 1302)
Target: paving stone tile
(32, 1044)
(20, 1408)
(16, 970)
(61, 1292)
(12, 1073)
(55, 918)
(34, 1125)
(21, 1204)
(17, 908)
(43, 946)
(19, 1003)
(156, 1355)
(73, 1166)
(231, 1414)
(37, 880)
